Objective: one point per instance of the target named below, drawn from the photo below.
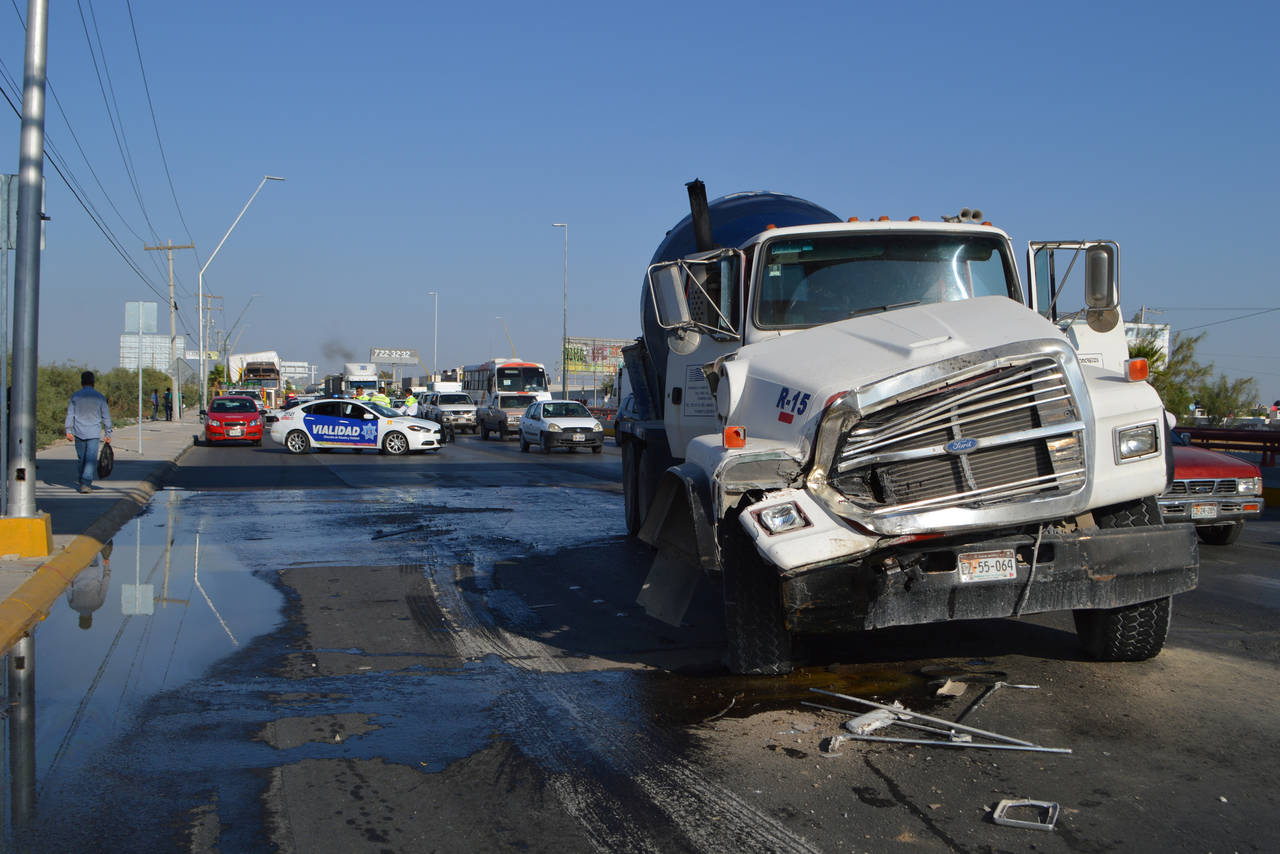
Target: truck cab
(853, 425)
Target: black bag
(106, 460)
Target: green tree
(1176, 375)
(1222, 398)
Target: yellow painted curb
(26, 536)
(31, 602)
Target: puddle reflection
(103, 652)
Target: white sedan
(560, 423)
(353, 424)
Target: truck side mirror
(666, 283)
(1100, 286)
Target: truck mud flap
(677, 523)
(1087, 569)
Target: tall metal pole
(8, 184)
(204, 373)
(26, 281)
(435, 332)
(564, 332)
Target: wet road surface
(362, 653)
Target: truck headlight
(781, 518)
(553, 428)
(1135, 442)
(1249, 486)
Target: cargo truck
(852, 425)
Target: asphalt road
(352, 652)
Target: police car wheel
(297, 442)
(395, 444)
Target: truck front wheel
(1131, 632)
(757, 640)
(1220, 535)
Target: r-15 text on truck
(853, 425)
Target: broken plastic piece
(1046, 817)
(870, 722)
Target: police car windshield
(384, 411)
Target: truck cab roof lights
(986, 222)
(770, 227)
(913, 219)
(883, 219)
(853, 219)
(1137, 370)
(735, 437)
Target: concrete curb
(31, 602)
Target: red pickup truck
(1215, 491)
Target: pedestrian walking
(155, 404)
(88, 422)
(168, 404)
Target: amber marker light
(735, 437)
(1137, 370)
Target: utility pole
(209, 309)
(173, 330)
(21, 538)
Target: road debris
(956, 734)
(995, 686)
(951, 688)
(1046, 813)
(868, 723)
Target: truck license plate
(1204, 511)
(987, 566)
(577, 437)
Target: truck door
(1075, 284)
(698, 301)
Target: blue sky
(429, 147)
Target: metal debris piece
(986, 745)
(1047, 817)
(957, 734)
(995, 686)
(914, 715)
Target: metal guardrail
(1264, 442)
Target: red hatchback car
(232, 419)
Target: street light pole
(204, 373)
(435, 332)
(564, 331)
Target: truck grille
(1203, 487)
(1029, 443)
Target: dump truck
(850, 425)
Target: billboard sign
(594, 355)
(393, 356)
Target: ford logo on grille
(961, 446)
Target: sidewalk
(83, 523)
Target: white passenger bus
(512, 375)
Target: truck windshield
(811, 280)
(530, 378)
(448, 399)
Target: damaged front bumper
(1092, 568)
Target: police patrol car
(353, 424)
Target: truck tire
(524, 444)
(1131, 632)
(484, 432)
(1220, 535)
(756, 639)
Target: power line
(1230, 319)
